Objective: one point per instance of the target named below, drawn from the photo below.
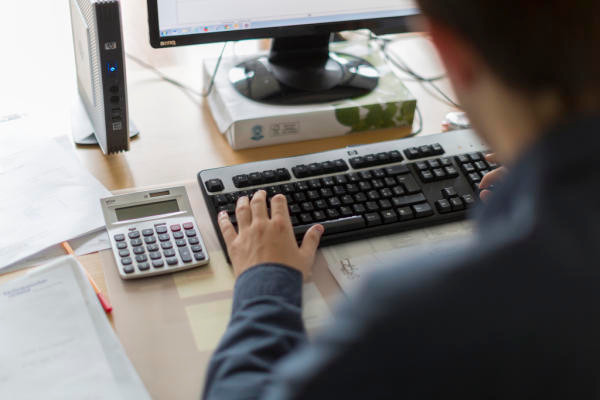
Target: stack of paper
(56, 342)
(48, 196)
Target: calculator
(153, 232)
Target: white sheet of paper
(48, 196)
(351, 262)
(56, 342)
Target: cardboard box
(247, 123)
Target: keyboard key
(158, 263)
(359, 209)
(185, 255)
(241, 181)
(161, 229)
(121, 245)
(169, 252)
(199, 256)
(214, 185)
(412, 153)
(119, 238)
(335, 226)
(163, 237)
(124, 253)
(437, 149)
(443, 206)
(193, 240)
(305, 218)
(188, 225)
(128, 269)
(409, 183)
(134, 234)
(150, 239)
(319, 215)
(332, 213)
(255, 178)
(141, 258)
(405, 213)
(372, 206)
(155, 255)
(300, 171)
(151, 247)
(449, 192)
(143, 266)
(475, 156)
(172, 260)
(175, 228)
(283, 174)
(439, 174)
(136, 242)
(148, 232)
(373, 219)
(384, 204)
(126, 260)
(389, 216)
(179, 235)
(196, 248)
(457, 204)
(166, 245)
(180, 242)
(345, 211)
(422, 210)
(426, 176)
(451, 172)
(468, 200)
(408, 200)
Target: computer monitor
(300, 68)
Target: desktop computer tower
(100, 64)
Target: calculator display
(147, 210)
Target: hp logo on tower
(257, 133)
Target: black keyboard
(363, 191)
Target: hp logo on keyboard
(257, 133)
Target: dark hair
(532, 45)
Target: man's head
(544, 53)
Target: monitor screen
(194, 17)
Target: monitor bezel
(380, 26)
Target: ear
(458, 56)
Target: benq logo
(168, 43)
(257, 133)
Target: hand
(261, 239)
(490, 179)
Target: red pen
(105, 304)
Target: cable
(172, 81)
(396, 61)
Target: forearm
(266, 324)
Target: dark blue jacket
(513, 314)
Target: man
(514, 313)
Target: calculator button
(188, 225)
(124, 253)
(196, 248)
(121, 245)
(128, 269)
(180, 242)
(139, 250)
(193, 240)
(166, 245)
(178, 235)
(143, 266)
(136, 242)
(185, 255)
(150, 239)
(199, 256)
(126, 260)
(163, 237)
(151, 247)
(141, 258)
(169, 253)
(175, 228)
(161, 229)
(157, 263)
(172, 260)
(148, 232)
(134, 234)
(155, 255)
(120, 237)
(190, 232)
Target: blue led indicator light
(112, 67)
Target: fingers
(491, 158)
(311, 240)
(491, 178)
(243, 212)
(227, 229)
(485, 195)
(258, 204)
(279, 208)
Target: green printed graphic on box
(377, 116)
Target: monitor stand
(302, 70)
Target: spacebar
(334, 226)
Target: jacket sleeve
(266, 324)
